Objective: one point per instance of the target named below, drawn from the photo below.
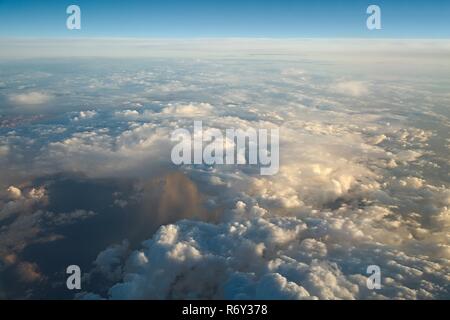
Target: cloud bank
(363, 174)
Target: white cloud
(130, 114)
(306, 233)
(89, 114)
(351, 88)
(262, 256)
(29, 223)
(357, 185)
(14, 192)
(30, 98)
(99, 153)
(4, 150)
(188, 110)
(21, 201)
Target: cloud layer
(363, 180)
(30, 99)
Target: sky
(247, 18)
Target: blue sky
(231, 18)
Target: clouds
(109, 262)
(33, 98)
(188, 110)
(351, 88)
(18, 201)
(361, 181)
(246, 258)
(24, 222)
(259, 255)
(349, 51)
(89, 114)
(98, 153)
(14, 193)
(309, 232)
(29, 272)
(4, 150)
(128, 114)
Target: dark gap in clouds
(11, 285)
(149, 204)
(81, 241)
(341, 202)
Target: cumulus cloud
(14, 192)
(135, 151)
(351, 88)
(4, 150)
(18, 201)
(308, 232)
(30, 222)
(109, 262)
(259, 255)
(190, 110)
(128, 114)
(357, 185)
(89, 114)
(30, 98)
(24, 221)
